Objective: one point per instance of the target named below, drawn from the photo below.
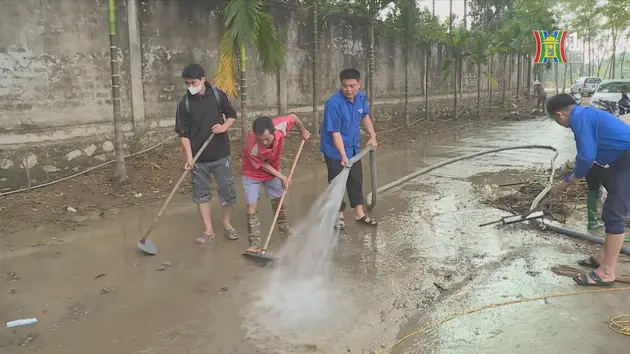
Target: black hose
(544, 225)
(580, 235)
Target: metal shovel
(148, 246)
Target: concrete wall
(55, 107)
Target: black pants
(616, 180)
(354, 185)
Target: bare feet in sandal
(341, 224)
(205, 238)
(231, 234)
(366, 220)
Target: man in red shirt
(261, 165)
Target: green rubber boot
(592, 201)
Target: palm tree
(482, 48)
(120, 170)
(432, 32)
(369, 11)
(503, 40)
(518, 37)
(246, 23)
(456, 43)
(404, 24)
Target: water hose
(544, 224)
(368, 149)
(617, 323)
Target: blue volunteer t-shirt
(344, 117)
(599, 137)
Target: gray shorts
(273, 189)
(201, 178)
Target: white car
(585, 85)
(610, 90)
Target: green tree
(457, 47)
(432, 33)
(482, 48)
(404, 23)
(617, 15)
(369, 11)
(246, 23)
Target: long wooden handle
(179, 182)
(275, 217)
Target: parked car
(585, 85)
(610, 91)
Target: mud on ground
(69, 204)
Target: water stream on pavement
(301, 302)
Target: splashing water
(300, 302)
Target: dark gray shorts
(201, 178)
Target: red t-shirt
(255, 154)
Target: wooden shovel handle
(179, 182)
(275, 217)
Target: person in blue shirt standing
(340, 137)
(603, 151)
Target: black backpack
(216, 97)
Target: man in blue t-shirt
(603, 151)
(340, 137)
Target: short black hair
(261, 124)
(349, 74)
(193, 71)
(559, 102)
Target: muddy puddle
(93, 292)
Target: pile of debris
(557, 204)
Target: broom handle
(275, 217)
(170, 196)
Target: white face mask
(195, 89)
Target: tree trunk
(529, 73)
(406, 60)
(564, 78)
(120, 170)
(371, 71)
(490, 69)
(623, 59)
(582, 65)
(570, 76)
(243, 67)
(599, 66)
(427, 56)
(518, 76)
(315, 118)
(555, 68)
(504, 78)
(613, 58)
(479, 89)
(511, 70)
(589, 59)
(455, 88)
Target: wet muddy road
(93, 293)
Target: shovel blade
(148, 247)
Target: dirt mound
(557, 204)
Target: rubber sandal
(231, 234)
(590, 262)
(341, 224)
(204, 238)
(583, 279)
(366, 220)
